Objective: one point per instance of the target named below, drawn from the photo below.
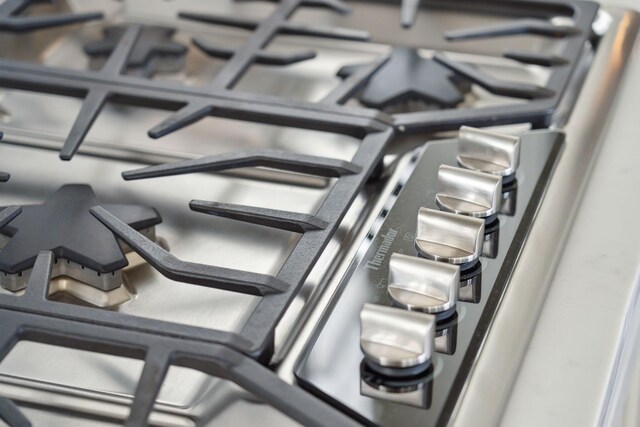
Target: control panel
(405, 326)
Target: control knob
(396, 342)
(468, 192)
(422, 285)
(487, 151)
(443, 236)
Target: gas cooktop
(287, 212)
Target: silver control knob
(422, 285)
(394, 338)
(443, 236)
(488, 151)
(467, 192)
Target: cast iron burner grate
(331, 115)
(226, 354)
(162, 344)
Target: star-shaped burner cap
(64, 225)
(153, 43)
(407, 76)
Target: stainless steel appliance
(296, 212)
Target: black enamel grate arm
(409, 12)
(521, 26)
(159, 353)
(285, 28)
(495, 86)
(283, 220)
(275, 159)
(97, 97)
(10, 19)
(535, 58)
(10, 414)
(263, 57)
(189, 272)
(338, 6)
(8, 214)
(156, 365)
(38, 286)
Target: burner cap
(64, 226)
(407, 76)
(153, 43)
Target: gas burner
(11, 21)
(152, 46)
(405, 77)
(85, 250)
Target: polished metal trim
(489, 385)
(488, 151)
(448, 237)
(423, 285)
(468, 192)
(396, 338)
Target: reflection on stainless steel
(423, 285)
(448, 237)
(491, 239)
(447, 335)
(488, 151)
(416, 391)
(470, 288)
(396, 338)
(467, 192)
(62, 287)
(509, 198)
